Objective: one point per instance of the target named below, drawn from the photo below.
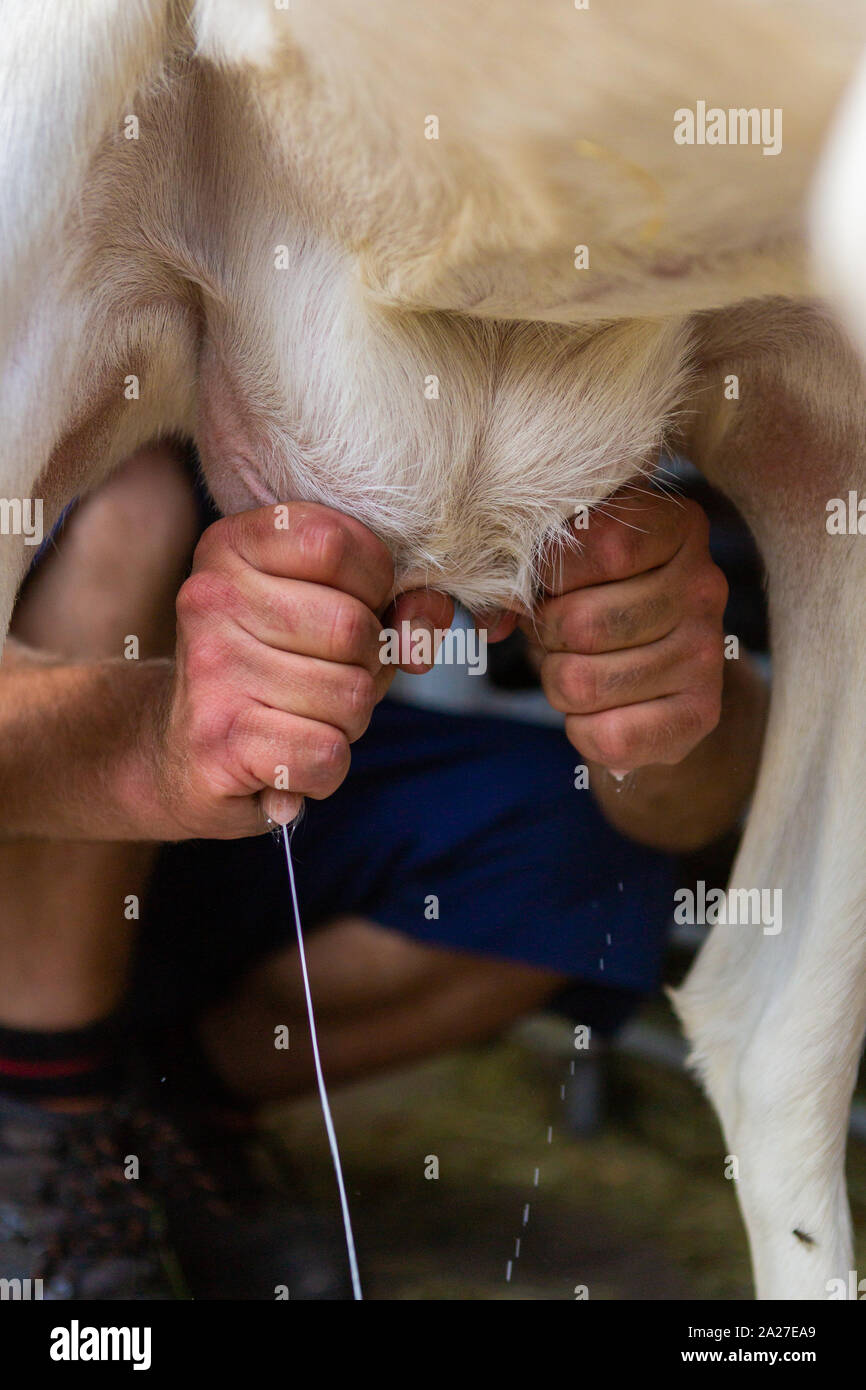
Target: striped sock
(58, 1065)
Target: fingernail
(282, 808)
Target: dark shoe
(211, 1214)
(68, 1214)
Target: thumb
(424, 612)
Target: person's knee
(132, 539)
(359, 967)
(356, 965)
(147, 506)
(117, 565)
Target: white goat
(269, 229)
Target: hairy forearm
(683, 807)
(77, 752)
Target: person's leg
(64, 938)
(381, 1000)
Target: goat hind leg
(776, 1017)
(776, 1013)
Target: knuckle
(722, 589)
(362, 695)
(578, 683)
(708, 657)
(381, 558)
(600, 525)
(330, 757)
(619, 550)
(205, 660)
(696, 717)
(550, 684)
(230, 531)
(323, 540)
(212, 726)
(696, 519)
(711, 591)
(210, 654)
(205, 594)
(214, 538)
(706, 711)
(615, 741)
(242, 532)
(348, 628)
(580, 627)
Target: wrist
(138, 784)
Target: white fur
(839, 212)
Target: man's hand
(277, 668)
(631, 628)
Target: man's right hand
(277, 667)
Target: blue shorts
(460, 832)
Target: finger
(689, 658)
(424, 610)
(286, 614)
(302, 540)
(635, 532)
(339, 695)
(428, 605)
(288, 753)
(609, 618)
(631, 736)
(279, 807)
(240, 817)
(498, 623)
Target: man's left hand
(630, 626)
